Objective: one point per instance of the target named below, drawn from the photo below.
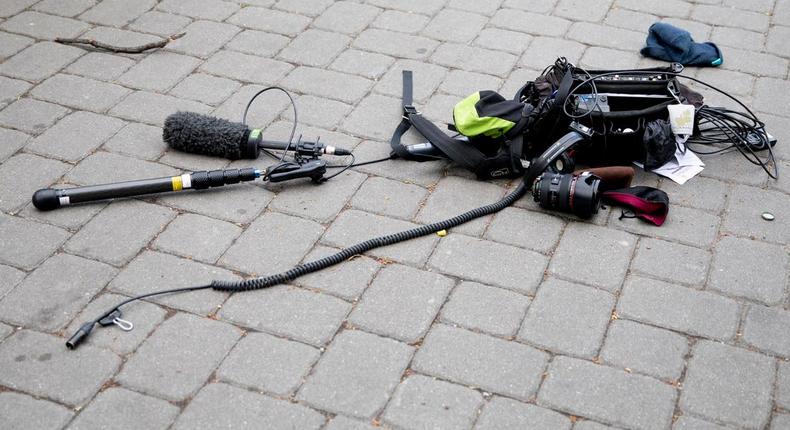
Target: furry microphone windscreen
(202, 134)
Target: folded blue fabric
(669, 43)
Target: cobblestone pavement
(524, 319)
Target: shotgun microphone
(202, 134)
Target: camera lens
(576, 194)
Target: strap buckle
(409, 110)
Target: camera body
(572, 193)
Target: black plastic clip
(114, 317)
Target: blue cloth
(669, 43)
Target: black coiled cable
(362, 247)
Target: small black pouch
(659, 144)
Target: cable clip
(114, 317)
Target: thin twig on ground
(119, 49)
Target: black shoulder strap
(459, 151)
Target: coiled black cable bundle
(362, 247)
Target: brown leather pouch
(612, 177)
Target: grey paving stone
(529, 22)
(159, 71)
(755, 63)
(23, 174)
(116, 13)
(686, 422)
(582, 10)
(304, 7)
(138, 140)
(346, 17)
(224, 406)
(347, 280)
(462, 83)
(197, 237)
(500, 413)
(631, 20)
(153, 108)
(702, 193)
(395, 44)
(76, 135)
(37, 62)
(479, 260)
(529, 229)
(145, 317)
(454, 195)
(568, 318)
(240, 203)
(268, 364)
(750, 269)
(356, 375)
(649, 350)
(10, 44)
(668, 8)
(162, 24)
(699, 313)
(404, 22)
(774, 43)
(401, 303)
(259, 250)
(782, 396)
(153, 271)
(247, 68)
(624, 399)
(429, 7)
(593, 255)
(591, 425)
(455, 26)
(12, 141)
(743, 215)
(314, 48)
(738, 37)
(311, 200)
(780, 421)
(258, 43)
(339, 422)
(11, 8)
(120, 37)
(39, 364)
(179, 357)
(11, 90)
(266, 108)
(103, 167)
(487, 309)
(765, 96)
(98, 65)
(387, 197)
(43, 26)
(671, 261)
(494, 365)
(720, 15)
(106, 239)
(422, 402)
(731, 167)
(55, 292)
(203, 38)
(678, 226)
(269, 20)
(326, 83)
(5, 331)
(10, 278)
(27, 243)
(205, 88)
(597, 57)
(425, 173)
(504, 40)
(213, 9)
(353, 226)
(366, 120)
(474, 59)
(292, 312)
(729, 385)
(31, 116)
(80, 93)
(119, 408)
(606, 36)
(767, 329)
(18, 411)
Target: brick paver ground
(524, 319)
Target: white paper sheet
(682, 167)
